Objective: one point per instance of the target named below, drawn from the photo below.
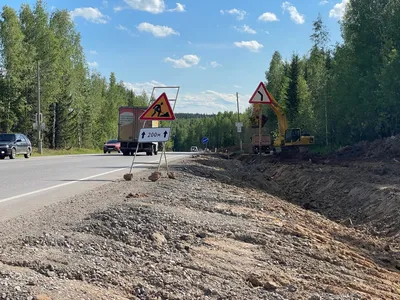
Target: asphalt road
(27, 184)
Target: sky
(210, 49)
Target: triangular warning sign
(159, 110)
(261, 95)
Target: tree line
(348, 92)
(341, 93)
(79, 106)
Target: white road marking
(75, 181)
(60, 185)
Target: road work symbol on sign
(159, 110)
(261, 95)
(154, 134)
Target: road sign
(261, 95)
(204, 140)
(159, 110)
(239, 126)
(158, 134)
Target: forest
(341, 93)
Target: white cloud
(246, 29)
(156, 30)
(240, 14)
(105, 3)
(187, 61)
(237, 86)
(268, 17)
(94, 52)
(91, 14)
(338, 11)
(151, 6)
(297, 17)
(267, 32)
(93, 64)
(252, 46)
(208, 101)
(179, 8)
(214, 64)
(323, 2)
(138, 88)
(122, 28)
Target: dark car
(13, 144)
(112, 145)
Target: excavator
(289, 141)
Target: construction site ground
(247, 227)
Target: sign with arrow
(260, 95)
(159, 134)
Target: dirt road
(223, 229)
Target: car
(112, 145)
(194, 149)
(13, 144)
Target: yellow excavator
(289, 141)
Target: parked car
(194, 149)
(112, 145)
(13, 144)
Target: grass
(72, 151)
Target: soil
(246, 228)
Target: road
(27, 184)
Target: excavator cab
(294, 136)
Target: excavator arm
(282, 120)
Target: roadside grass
(72, 151)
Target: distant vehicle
(194, 149)
(112, 145)
(129, 126)
(13, 144)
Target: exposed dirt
(223, 229)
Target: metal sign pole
(137, 148)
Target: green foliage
(80, 108)
(341, 94)
(351, 92)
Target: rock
(128, 176)
(171, 175)
(292, 288)
(154, 176)
(315, 297)
(201, 235)
(270, 285)
(255, 282)
(158, 238)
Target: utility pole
(39, 114)
(240, 134)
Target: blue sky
(211, 49)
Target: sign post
(159, 110)
(204, 141)
(260, 96)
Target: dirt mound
(362, 194)
(381, 149)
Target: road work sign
(154, 134)
(159, 110)
(260, 95)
